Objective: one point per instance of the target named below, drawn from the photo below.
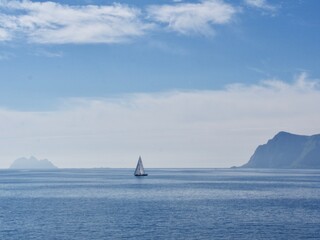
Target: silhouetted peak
(287, 150)
(284, 134)
(32, 163)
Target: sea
(167, 204)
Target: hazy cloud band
(217, 128)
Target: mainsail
(139, 169)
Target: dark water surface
(168, 204)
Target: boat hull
(141, 175)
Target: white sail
(139, 169)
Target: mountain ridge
(32, 163)
(287, 150)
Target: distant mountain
(287, 150)
(31, 163)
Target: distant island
(32, 163)
(287, 150)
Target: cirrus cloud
(190, 18)
(53, 23)
(261, 4)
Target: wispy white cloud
(49, 22)
(54, 23)
(261, 4)
(193, 18)
(173, 129)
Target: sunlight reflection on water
(168, 204)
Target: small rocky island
(32, 163)
(287, 150)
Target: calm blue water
(168, 204)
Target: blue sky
(63, 62)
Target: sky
(93, 83)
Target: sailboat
(139, 172)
